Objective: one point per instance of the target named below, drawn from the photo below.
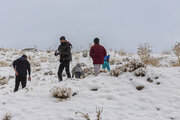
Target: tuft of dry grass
(4, 64)
(61, 93)
(122, 52)
(7, 116)
(86, 116)
(3, 81)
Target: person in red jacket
(97, 53)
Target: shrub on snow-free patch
(7, 116)
(61, 93)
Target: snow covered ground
(159, 100)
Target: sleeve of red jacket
(91, 52)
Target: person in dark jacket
(97, 53)
(21, 66)
(64, 50)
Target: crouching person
(77, 71)
(21, 66)
(106, 63)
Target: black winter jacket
(22, 66)
(64, 50)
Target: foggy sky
(120, 24)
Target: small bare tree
(176, 50)
(144, 51)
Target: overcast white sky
(118, 23)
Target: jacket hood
(78, 65)
(21, 59)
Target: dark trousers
(20, 79)
(61, 68)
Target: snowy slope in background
(117, 95)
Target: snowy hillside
(157, 99)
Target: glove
(56, 53)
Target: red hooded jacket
(98, 53)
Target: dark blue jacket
(22, 66)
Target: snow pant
(20, 79)
(106, 65)
(61, 68)
(97, 68)
(77, 75)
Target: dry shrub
(83, 64)
(43, 59)
(88, 71)
(86, 116)
(134, 65)
(175, 64)
(3, 81)
(155, 61)
(144, 51)
(176, 50)
(122, 52)
(85, 54)
(35, 64)
(76, 57)
(4, 64)
(48, 73)
(61, 93)
(112, 61)
(166, 52)
(7, 116)
(116, 72)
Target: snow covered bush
(141, 72)
(62, 93)
(112, 61)
(86, 116)
(7, 116)
(88, 71)
(116, 72)
(176, 50)
(3, 80)
(133, 65)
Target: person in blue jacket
(106, 63)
